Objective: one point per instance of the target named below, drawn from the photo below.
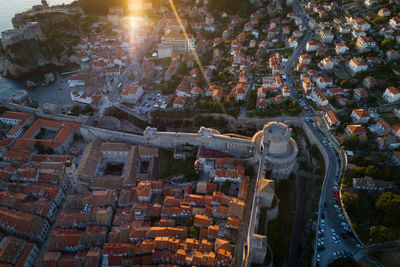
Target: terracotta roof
(393, 90)
(361, 113)
(332, 116)
(16, 115)
(233, 222)
(356, 129)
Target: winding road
(336, 166)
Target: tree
(225, 186)
(386, 44)
(379, 20)
(350, 202)
(189, 221)
(379, 234)
(194, 231)
(351, 104)
(388, 204)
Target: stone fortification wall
(41, 114)
(97, 134)
(313, 140)
(151, 137)
(28, 32)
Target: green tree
(225, 186)
(189, 221)
(386, 44)
(379, 20)
(388, 204)
(352, 104)
(379, 234)
(194, 231)
(350, 202)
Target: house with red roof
(395, 23)
(131, 93)
(179, 102)
(202, 220)
(341, 48)
(380, 128)
(357, 64)
(319, 97)
(360, 115)
(331, 119)
(312, 46)
(261, 103)
(356, 129)
(18, 120)
(391, 94)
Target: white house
(312, 46)
(360, 115)
(305, 59)
(357, 64)
(384, 12)
(318, 97)
(341, 48)
(327, 63)
(395, 23)
(391, 94)
(323, 82)
(293, 43)
(365, 43)
(326, 36)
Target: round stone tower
(279, 149)
(276, 138)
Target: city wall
(41, 114)
(152, 137)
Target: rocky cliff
(61, 31)
(26, 57)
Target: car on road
(306, 109)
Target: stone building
(279, 149)
(30, 31)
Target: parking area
(144, 106)
(335, 240)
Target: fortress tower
(279, 149)
(30, 31)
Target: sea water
(50, 94)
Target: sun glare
(135, 5)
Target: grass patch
(171, 167)
(279, 230)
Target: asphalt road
(326, 209)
